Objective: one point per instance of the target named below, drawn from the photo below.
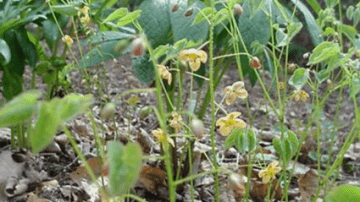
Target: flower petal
(225, 130)
(183, 55)
(202, 55)
(195, 64)
(230, 99)
(227, 90)
(221, 122)
(240, 123)
(233, 115)
(242, 94)
(238, 86)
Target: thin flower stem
(212, 95)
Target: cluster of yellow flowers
(176, 122)
(68, 40)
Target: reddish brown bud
(189, 12)
(137, 47)
(238, 9)
(175, 7)
(255, 63)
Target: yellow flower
(176, 122)
(165, 73)
(194, 57)
(234, 91)
(68, 40)
(229, 123)
(85, 20)
(300, 95)
(161, 137)
(84, 10)
(269, 172)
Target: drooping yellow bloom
(228, 123)
(234, 91)
(300, 95)
(84, 10)
(269, 172)
(68, 40)
(161, 137)
(85, 20)
(194, 57)
(165, 73)
(176, 122)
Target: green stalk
(212, 95)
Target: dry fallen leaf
(308, 183)
(152, 178)
(94, 163)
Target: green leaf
(160, 51)
(129, 18)
(288, 151)
(19, 109)
(255, 6)
(220, 16)
(293, 141)
(125, 165)
(324, 51)
(46, 126)
(13, 71)
(354, 85)
(331, 3)
(112, 35)
(244, 141)
(350, 32)
(155, 20)
(72, 105)
(299, 78)
(5, 51)
(51, 32)
(293, 29)
(251, 139)
(143, 68)
(182, 26)
(322, 75)
(281, 37)
(343, 193)
(27, 47)
(350, 12)
(205, 15)
(312, 27)
(106, 51)
(278, 146)
(118, 13)
(67, 10)
(356, 16)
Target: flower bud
(175, 7)
(189, 12)
(197, 127)
(255, 63)
(108, 111)
(306, 55)
(144, 112)
(137, 47)
(238, 9)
